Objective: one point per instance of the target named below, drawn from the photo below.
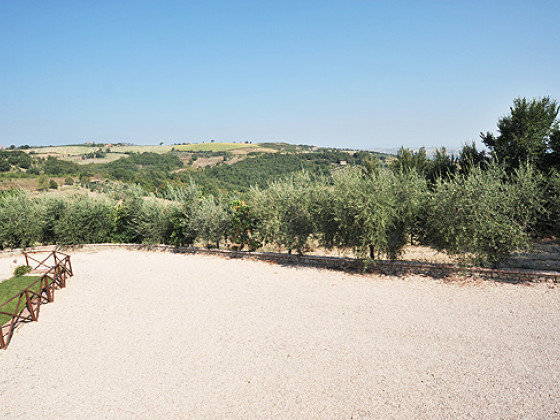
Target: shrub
(53, 185)
(22, 270)
(42, 183)
(69, 180)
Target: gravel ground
(159, 335)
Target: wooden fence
(55, 268)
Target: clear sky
(363, 74)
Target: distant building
(343, 163)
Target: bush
(22, 270)
(53, 185)
(69, 180)
(42, 183)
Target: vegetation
(213, 147)
(486, 213)
(529, 134)
(477, 206)
(22, 270)
(12, 287)
(261, 170)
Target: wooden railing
(55, 268)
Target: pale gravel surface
(159, 335)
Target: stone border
(386, 267)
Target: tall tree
(408, 160)
(470, 158)
(525, 134)
(441, 166)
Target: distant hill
(225, 167)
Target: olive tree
(284, 212)
(485, 215)
(20, 221)
(372, 213)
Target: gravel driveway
(158, 335)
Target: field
(215, 147)
(73, 151)
(149, 335)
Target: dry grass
(214, 147)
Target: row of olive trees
(483, 215)
(25, 221)
(130, 218)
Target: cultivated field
(160, 335)
(215, 147)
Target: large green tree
(529, 134)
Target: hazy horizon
(364, 75)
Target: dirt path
(158, 335)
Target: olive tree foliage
(20, 221)
(553, 203)
(372, 213)
(243, 226)
(150, 222)
(284, 212)
(209, 221)
(195, 216)
(140, 217)
(81, 219)
(183, 231)
(529, 134)
(485, 215)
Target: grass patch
(212, 147)
(12, 287)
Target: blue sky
(363, 74)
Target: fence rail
(55, 268)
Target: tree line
(481, 216)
